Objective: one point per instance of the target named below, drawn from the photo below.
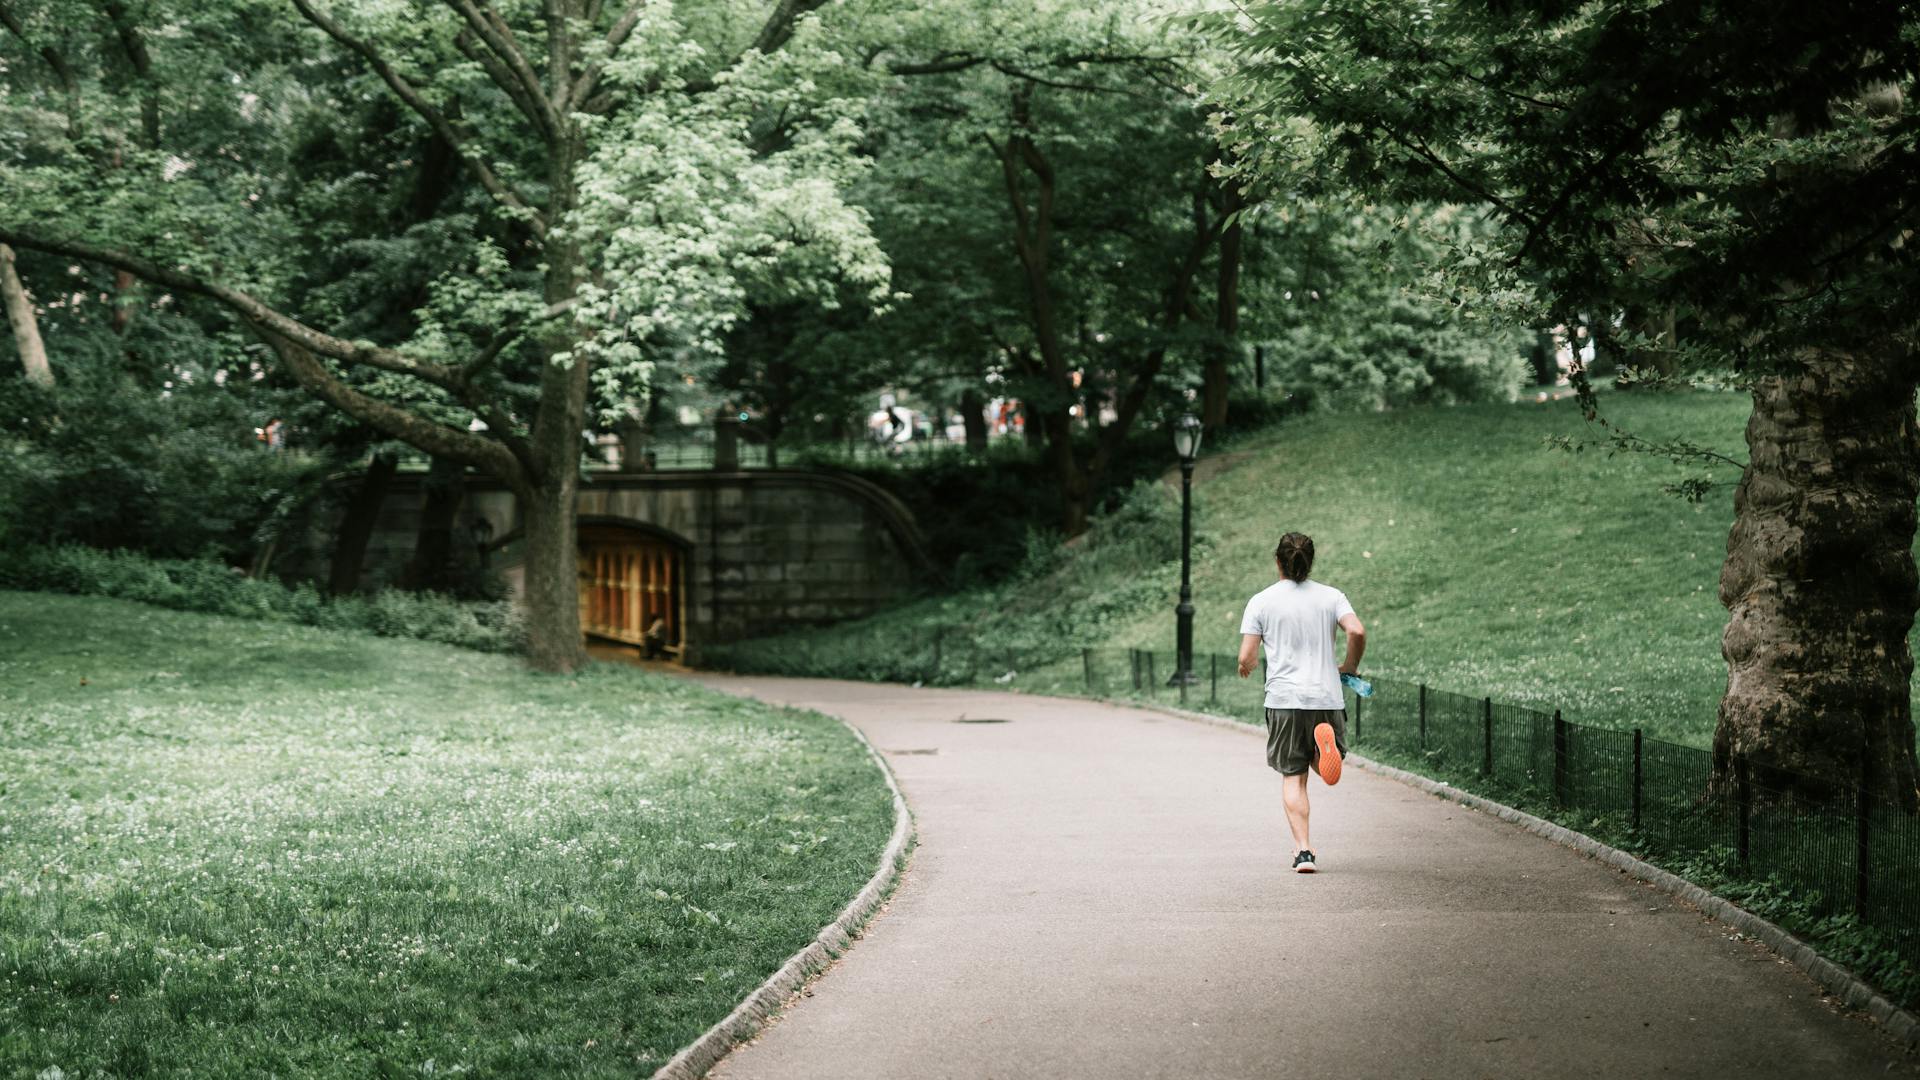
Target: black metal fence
(1833, 847)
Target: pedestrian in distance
(1293, 619)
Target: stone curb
(1844, 985)
(834, 939)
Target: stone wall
(764, 550)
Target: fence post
(1863, 839)
(1423, 716)
(1213, 678)
(1486, 727)
(1637, 779)
(1357, 699)
(937, 637)
(1743, 796)
(1086, 666)
(1561, 780)
(1134, 655)
(1151, 682)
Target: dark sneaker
(1303, 863)
(1327, 762)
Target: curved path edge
(752, 1013)
(1850, 989)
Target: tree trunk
(356, 524)
(26, 325)
(432, 563)
(1221, 354)
(973, 413)
(1820, 583)
(554, 641)
(1070, 479)
(1032, 426)
(1544, 359)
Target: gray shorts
(1290, 747)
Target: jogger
(1306, 712)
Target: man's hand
(1249, 649)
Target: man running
(1306, 712)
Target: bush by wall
(216, 589)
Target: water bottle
(1359, 686)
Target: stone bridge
(701, 556)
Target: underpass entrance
(633, 588)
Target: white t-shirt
(1295, 621)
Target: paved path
(1104, 892)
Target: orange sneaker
(1327, 762)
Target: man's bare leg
(1293, 791)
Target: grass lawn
(1481, 560)
(1486, 563)
(237, 848)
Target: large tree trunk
(973, 413)
(432, 563)
(356, 524)
(1820, 582)
(554, 641)
(26, 325)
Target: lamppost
(1186, 443)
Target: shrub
(169, 468)
(205, 586)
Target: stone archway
(632, 579)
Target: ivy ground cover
(237, 848)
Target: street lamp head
(1186, 437)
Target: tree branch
(470, 48)
(581, 94)
(135, 46)
(482, 172)
(286, 333)
(55, 59)
(779, 26)
(559, 55)
(250, 308)
(437, 439)
(499, 37)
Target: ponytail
(1295, 555)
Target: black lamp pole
(1187, 443)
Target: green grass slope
(1486, 563)
(1482, 561)
(236, 848)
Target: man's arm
(1249, 648)
(1356, 642)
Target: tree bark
(1820, 581)
(973, 413)
(431, 565)
(26, 325)
(552, 588)
(1217, 374)
(1074, 484)
(356, 525)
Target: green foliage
(1391, 350)
(1338, 298)
(329, 855)
(165, 464)
(1746, 168)
(215, 588)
